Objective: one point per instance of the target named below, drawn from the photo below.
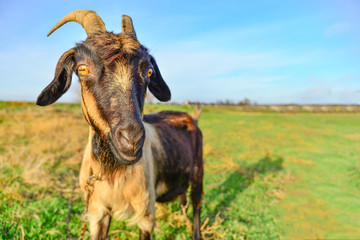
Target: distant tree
(244, 102)
(228, 102)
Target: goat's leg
(144, 235)
(183, 200)
(99, 228)
(196, 194)
(146, 224)
(146, 227)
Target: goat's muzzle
(126, 142)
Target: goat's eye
(83, 70)
(150, 72)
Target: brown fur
(178, 120)
(109, 46)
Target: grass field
(267, 175)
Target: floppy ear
(157, 85)
(61, 82)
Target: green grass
(267, 175)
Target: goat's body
(176, 153)
(172, 159)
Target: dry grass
(39, 145)
(180, 218)
(354, 137)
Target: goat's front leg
(146, 226)
(145, 235)
(99, 225)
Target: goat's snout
(130, 139)
(126, 142)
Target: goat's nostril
(139, 143)
(129, 141)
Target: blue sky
(272, 52)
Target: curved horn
(127, 26)
(88, 19)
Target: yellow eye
(150, 72)
(83, 70)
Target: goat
(142, 158)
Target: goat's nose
(130, 139)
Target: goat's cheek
(84, 110)
(93, 113)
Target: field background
(268, 175)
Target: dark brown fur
(180, 139)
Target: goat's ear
(61, 82)
(157, 85)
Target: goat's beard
(102, 152)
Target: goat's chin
(126, 159)
(123, 158)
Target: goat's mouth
(128, 158)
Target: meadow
(268, 175)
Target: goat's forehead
(108, 44)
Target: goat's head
(114, 71)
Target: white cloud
(344, 90)
(197, 73)
(215, 63)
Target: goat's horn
(88, 19)
(127, 26)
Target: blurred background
(270, 52)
